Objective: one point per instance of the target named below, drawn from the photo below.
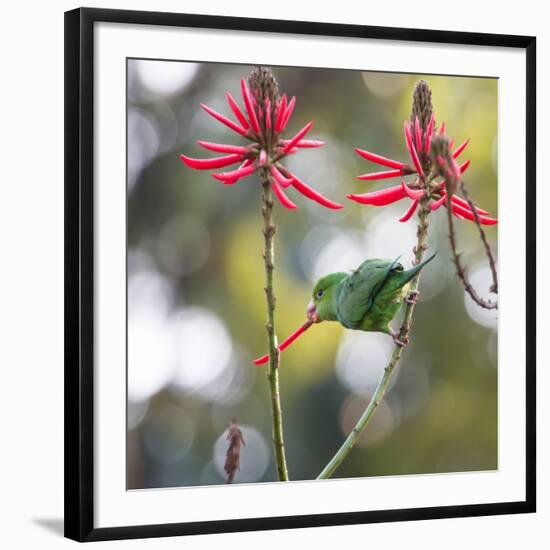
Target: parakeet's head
(323, 299)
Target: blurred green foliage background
(196, 306)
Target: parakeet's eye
(320, 293)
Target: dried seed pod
(233, 456)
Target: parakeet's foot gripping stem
(412, 298)
(264, 358)
(396, 335)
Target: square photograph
(312, 261)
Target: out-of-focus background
(196, 306)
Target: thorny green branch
(273, 368)
(376, 399)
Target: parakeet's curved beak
(312, 313)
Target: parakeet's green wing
(358, 291)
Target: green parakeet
(366, 299)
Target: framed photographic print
(300, 274)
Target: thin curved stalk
(273, 368)
(376, 399)
(460, 269)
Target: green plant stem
(273, 368)
(376, 399)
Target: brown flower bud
(263, 85)
(422, 104)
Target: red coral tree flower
(428, 166)
(261, 120)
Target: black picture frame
(79, 270)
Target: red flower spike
(223, 148)
(382, 197)
(224, 120)
(288, 112)
(418, 133)
(261, 121)
(281, 114)
(249, 107)
(378, 159)
(282, 180)
(412, 150)
(417, 141)
(461, 148)
(208, 164)
(429, 134)
(285, 343)
(297, 137)
(235, 174)
(413, 194)
(380, 175)
(280, 194)
(237, 111)
(408, 214)
(310, 193)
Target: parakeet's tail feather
(406, 276)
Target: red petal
(206, 164)
(413, 194)
(412, 150)
(267, 113)
(463, 167)
(237, 110)
(224, 120)
(380, 160)
(408, 214)
(418, 132)
(286, 342)
(281, 114)
(461, 202)
(380, 198)
(279, 193)
(247, 162)
(305, 143)
(434, 205)
(249, 107)
(223, 148)
(235, 174)
(298, 137)
(461, 148)
(469, 215)
(288, 112)
(429, 134)
(442, 128)
(284, 182)
(310, 193)
(380, 175)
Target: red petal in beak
(265, 358)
